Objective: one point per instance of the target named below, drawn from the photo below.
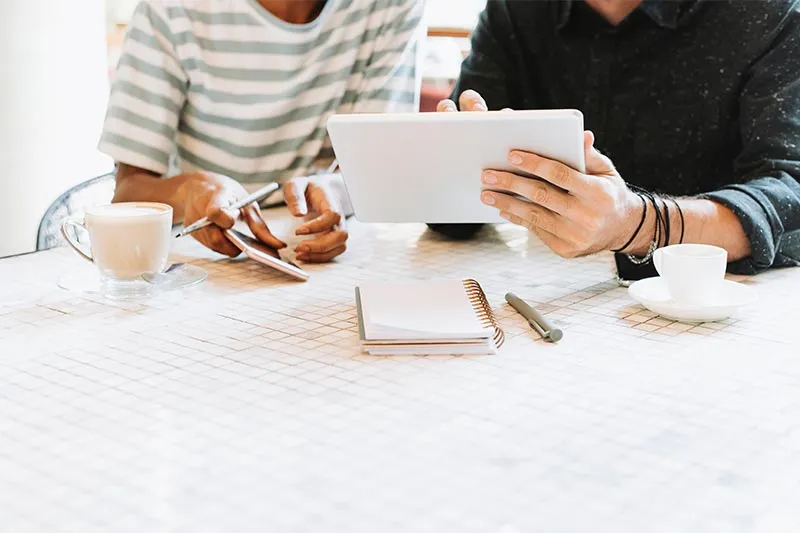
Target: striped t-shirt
(224, 86)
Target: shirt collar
(663, 12)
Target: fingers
(446, 106)
(596, 163)
(324, 248)
(534, 216)
(323, 257)
(554, 242)
(294, 194)
(588, 140)
(331, 236)
(552, 171)
(539, 192)
(252, 216)
(318, 198)
(217, 211)
(214, 239)
(323, 243)
(325, 222)
(472, 101)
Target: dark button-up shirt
(687, 97)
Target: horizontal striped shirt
(224, 86)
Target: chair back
(96, 191)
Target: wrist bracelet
(657, 232)
(646, 259)
(639, 227)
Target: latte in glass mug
(127, 240)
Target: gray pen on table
(252, 198)
(534, 318)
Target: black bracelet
(657, 231)
(639, 227)
(667, 223)
(683, 222)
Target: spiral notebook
(426, 318)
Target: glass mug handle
(74, 223)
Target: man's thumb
(596, 163)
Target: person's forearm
(138, 185)
(706, 222)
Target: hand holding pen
(212, 203)
(245, 202)
(211, 206)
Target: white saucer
(653, 294)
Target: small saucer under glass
(87, 280)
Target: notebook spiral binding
(483, 310)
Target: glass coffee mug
(127, 241)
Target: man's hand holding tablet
(427, 167)
(574, 213)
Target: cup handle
(74, 223)
(657, 260)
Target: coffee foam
(125, 211)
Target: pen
(255, 197)
(536, 320)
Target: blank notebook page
(419, 310)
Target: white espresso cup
(127, 240)
(694, 273)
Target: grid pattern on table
(244, 404)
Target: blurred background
(59, 60)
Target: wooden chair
(453, 33)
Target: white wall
(452, 13)
(120, 11)
(53, 94)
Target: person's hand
(574, 214)
(469, 101)
(209, 195)
(319, 199)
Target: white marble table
(244, 405)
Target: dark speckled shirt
(687, 97)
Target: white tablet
(426, 167)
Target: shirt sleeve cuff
(121, 154)
(762, 230)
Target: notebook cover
(481, 306)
